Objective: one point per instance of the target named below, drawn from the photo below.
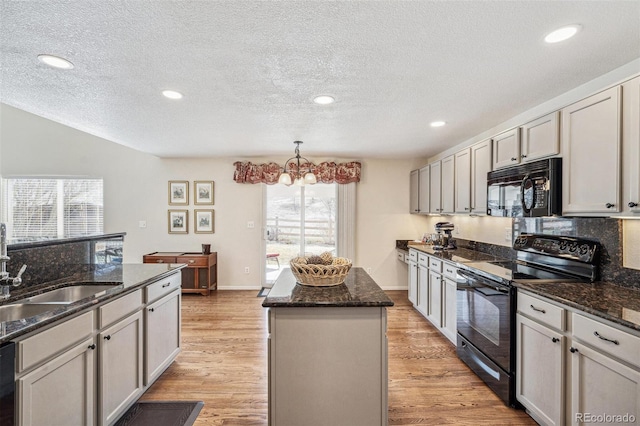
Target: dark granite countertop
(612, 302)
(126, 278)
(359, 289)
(459, 255)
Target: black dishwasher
(7, 383)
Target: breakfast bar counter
(327, 351)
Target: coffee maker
(444, 240)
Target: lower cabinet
(450, 308)
(435, 299)
(413, 282)
(423, 289)
(62, 391)
(162, 335)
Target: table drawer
(160, 288)
(435, 264)
(449, 270)
(120, 308)
(423, 260)
(159, 259)
(192, 260)
(603, 337)
(542, 311)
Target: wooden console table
(201, 274)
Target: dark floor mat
(161, 413)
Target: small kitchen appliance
(486, 300)
(443, 239)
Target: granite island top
(124, 277)
(358, 289)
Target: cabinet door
(601, 385)
(62, 391)
(435, 187)
(414, 183)
(423, 191)
(540, 371)
(541, 137)
(162, 337)
(591, 154)
(435, 299)
(447, 184)
(462, 183)
(631, 145)
(480, 166)
(413, 283)
(121, 361)
(423, 290)
(506, 148)
(449, 304)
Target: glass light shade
(310, 178)
(284, 179)
(298, 181)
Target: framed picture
(178, 221)
(203, 220)
(203, 192)
(178, 192)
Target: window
(42, 208)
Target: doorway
(299, 220)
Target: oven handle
(486, 282)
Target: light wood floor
(223, 363)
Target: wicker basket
(320, 275)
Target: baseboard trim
(233, 287)
(395, 288)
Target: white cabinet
(448, 182)
(435, 187)
(435, 298)
(62, 391)
(120, 372)
(591, 155)
(480, 166)
(423, 289)
(162, 335)
(541, 138)
(423, 196)
(462, 181)
(414, 191)
(413, 277)
(631, 146)
(506, 148)
(449, 306)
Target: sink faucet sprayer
(5, 289)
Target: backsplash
(55, 260)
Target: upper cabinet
(591, 154)
(435, 185)
(480, 166)
(448, 180)
(414, 191)
(541, 138)
(506, 148)
(462, 182)
(631, 146)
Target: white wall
(135, 189)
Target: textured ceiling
(250, 69)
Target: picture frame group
(203, 219)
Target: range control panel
(566, 247)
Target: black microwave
(528, 190)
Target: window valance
(327, 172)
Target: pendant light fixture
(301, 176)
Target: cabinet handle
(573, 350)
(632, 204)
(166, 285)
(192, 261)
(538, 309)
(107, 337)
(513, 158)
(609, 205)
(523, 156)
(615, 342)
(555, 339)
(159, 261)
(449, 271)
(92, 347)
(151, 309)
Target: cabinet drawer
(159, 259)
(449, 270)
(423, 260)
(119, 308)
(435, 264)
(37, 348)
(542, 311)
(160, 288)
(192, 260)
(400, 256)
(413, 255)
(616, 342)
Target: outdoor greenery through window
(40, 208)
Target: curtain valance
(327, 172)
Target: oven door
(504, 197)
(485, 317)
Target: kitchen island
(327, 352)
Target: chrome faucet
(5, 289)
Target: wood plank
(224, 363)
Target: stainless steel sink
(18, 311)
(66, 295)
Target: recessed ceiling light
(55, 62)
(172, 94)
(438, 123)
(562, 34)
(324, 100)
